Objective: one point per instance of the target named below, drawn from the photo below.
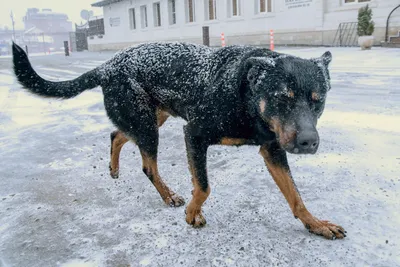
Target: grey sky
(71, 7)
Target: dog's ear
(254, 64)
(323, 63)
(325, 59)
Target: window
(263, 6)
(210, 9)
(132, 19)
(143, 16)
(190, 10)
(234, 8)
(157, 14)
(172, 12)
(356, 1)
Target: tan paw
(113, 173)
(195, 218)
(174, 200)
(326, 229)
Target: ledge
(105, 2)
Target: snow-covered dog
(236, 95)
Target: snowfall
(59, 206)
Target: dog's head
(289, 94)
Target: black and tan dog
(236, 95)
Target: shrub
(365, 24)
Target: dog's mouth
(292, 149)
(294, 141)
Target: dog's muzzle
(305, 142)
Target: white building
(295, 22)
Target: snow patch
(3, 264)
(145, 262)
(62, 164)
(80, 263)
(4, 94)
(369, 81)
(3, 228)
(6, 79)
(139, 228)
(161, 242)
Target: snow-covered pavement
(59, 207)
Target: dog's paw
(113, 173)
(174, 200)
(195, 218)
(326, 229)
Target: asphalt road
(59, 207)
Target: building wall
(315, 23)
(336, 12)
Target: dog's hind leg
(150, 168)
(147, 141)
(132, 111)
(118, 139)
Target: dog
(236, 95)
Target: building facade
(295, 22)
(45, 30)
(47, 21)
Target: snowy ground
(59, 207)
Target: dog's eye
(316, 97)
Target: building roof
(105, 2)
(34, 30)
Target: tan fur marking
(162, 116)
(283, 180)
(315, 96)
(226, 141)
(285, 136)
(291, 94)
(262, 105)
(169, 197)
(118, 142)
(285, 183)
(194, 214)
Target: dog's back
(175, 75)
(152, 64)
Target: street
(59, 206)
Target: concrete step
(394, 36)
(395, 40)
(391, 45)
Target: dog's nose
(307, 141)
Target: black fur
(29, 79)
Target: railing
(387, 24)
(346, 34)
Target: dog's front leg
(196, 149)
(277, 164)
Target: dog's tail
(30, 80)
